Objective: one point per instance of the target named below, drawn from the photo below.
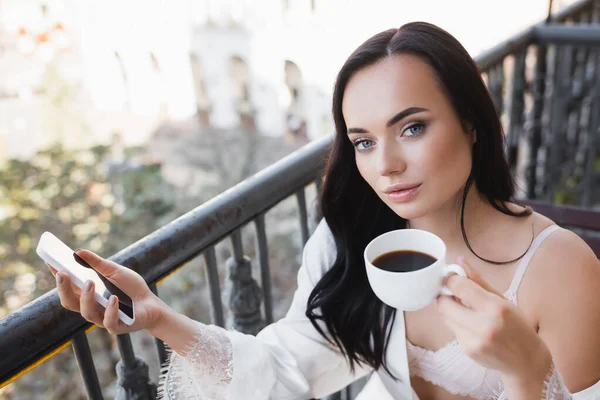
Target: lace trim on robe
(203, 372)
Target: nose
(391, 160)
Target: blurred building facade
(257, 62)
(83, 71)
(226, 62)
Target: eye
(363, 144)
(414, 130)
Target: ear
(470, 129)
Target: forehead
(379, 91)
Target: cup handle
(447, 270)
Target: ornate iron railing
(43, 327)
(545, 83)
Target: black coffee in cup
(403, 261)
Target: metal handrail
(526, 37)
(43, 325)
(583, 35)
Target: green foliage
(566, 192)
(89, 202)
(97, 200)
(82, 198)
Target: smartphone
(54, 252)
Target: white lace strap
(520, 273)
(554, 387)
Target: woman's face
(409, 144)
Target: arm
(287, 360)
(569, 308)
(175, 329)
(497, 335)
(563, 291)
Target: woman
(418, 143)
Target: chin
(411, 210)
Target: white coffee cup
(409, 291)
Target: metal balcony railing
(545, 82)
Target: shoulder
(319, 253)
(563, 253)
(563, 283)
(563, 260)
(563, 273)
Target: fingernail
(59, 279)
(88, 286)
(80, 260)
(113, 300)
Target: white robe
(289, 359)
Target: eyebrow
(394, 120)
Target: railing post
(560, 79)
(590, 174)
(265, 271)
(161, 347)
(535, 135)
(246, 296)
(214, 286)
(517, 107)
(133, 382)
(303, 215)
(496, 86)
(81, 347)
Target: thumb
(475, 277)
(119, 280)
(91, 260)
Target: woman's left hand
(493, 331)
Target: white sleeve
(287, 360)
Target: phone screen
(62, 254)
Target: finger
(457, 316)
(68, 282)
(469, 293)
(472, 329)
(474, 276)
(90, 309)
(111, 316)
(52, 269)
(103, 266)
(474, 292)
(470, 343)
(68, 299)
(119, 280)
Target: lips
(402, 193)
(401, 187)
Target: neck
(445, 222)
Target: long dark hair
(356, 320)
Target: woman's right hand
(148, 307)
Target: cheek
(364, 168)
(368, 167)
(449, 159)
